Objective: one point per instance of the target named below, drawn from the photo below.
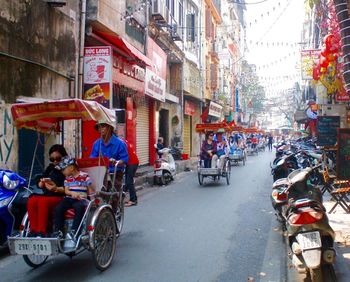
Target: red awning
(133, 53)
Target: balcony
(160, 12)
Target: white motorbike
(164, 167)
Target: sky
(271, 24)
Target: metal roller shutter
(187, 134)
(142, 134)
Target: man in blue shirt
(110, 146)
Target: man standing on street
(130, 172)
(270, 139)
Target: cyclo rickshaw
(214, 173)
(251, 147)
(237, 153)
(103, 219)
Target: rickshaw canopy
(206, 127)
(46, 116)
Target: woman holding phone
(51, 182)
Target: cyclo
(103, 219)
(237, 151)
(214, 172)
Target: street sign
(343, 154)
(327, 130)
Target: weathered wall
(34, 31)
(8, 142)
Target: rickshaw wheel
(35, 261)
(119, 215)
(104, 238)
(200, 179)
(228, 172)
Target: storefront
(122, 87)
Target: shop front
(114, 75)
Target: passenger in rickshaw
(208, 151)
(222, 148)
(40, 206)
(78, 189)
(254, 141)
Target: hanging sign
(308, 59)
(98, 74)
(189, 108)
(215, 109)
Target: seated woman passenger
(208, 151)
(40, 206)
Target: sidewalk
(340, 222)
(144, 174)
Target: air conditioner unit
(175, 33)
(56, 3)
(160, 12)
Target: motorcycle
(13, 201)
(164, 167)
(310, 236)
(282, 166)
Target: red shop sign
(342, 96)
(189, 108)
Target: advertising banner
(98, 74)
(156, 74)
(308, 59)
(190, 108)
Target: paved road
(185, 232)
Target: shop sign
(215, 109)
(342, 96)
(155, 74)
(133, 71)
(308, 60)
(155, 86)
(98, 74)
(190, 108)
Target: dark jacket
(56, 176)
(206, 147)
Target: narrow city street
(185, 232)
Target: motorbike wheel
(35, 261)
(166, 178)
(200, 179)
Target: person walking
(130, 172)
(270, 140)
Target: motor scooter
(310, 236)
(164, 167)
(282, 166)
(13, 198)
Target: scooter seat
(280, 182)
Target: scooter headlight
(5, 202)
(8, 183)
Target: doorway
(164, 126)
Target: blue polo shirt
(115, 148)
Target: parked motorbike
(13, 200)
(282, 166)
(310, 236)
(164, 167)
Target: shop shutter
(187, 134)
(142, 133)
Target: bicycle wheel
(104, 238)
(228, 172)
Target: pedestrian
(270, 140)
(130, 172)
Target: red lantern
(325, 52)
(328, 39)
(316, 73)
(324, 62)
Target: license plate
(310, 240)
(159, 173)
(33, 247)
